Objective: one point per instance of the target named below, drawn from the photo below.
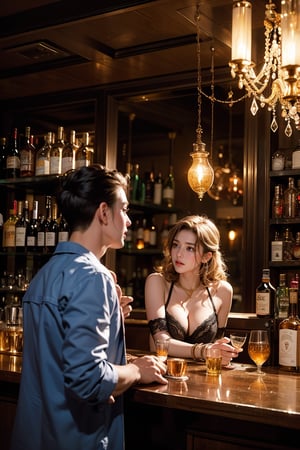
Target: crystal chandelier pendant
(288, 129)
(254, 107)
(274, 124)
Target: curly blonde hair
(208, 237)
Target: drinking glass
(238, 339)
(162, 347)
(259, 348)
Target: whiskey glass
(259, 349)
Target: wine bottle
(290, 200)
(12, 167)
(56, 152)
(168, 192)
(51, 227)
(63, 229)
(68, 154)
(32, 229)
(289, 333)
(9, 230)
(42, 159)
(84, 154)
(21, 225)
(265, 296)
(3, 149)
(282, 298)
(27, 155)
(157, 196)
(277, 202)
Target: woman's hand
(123, 299)
(228, 352)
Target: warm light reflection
(232, 235)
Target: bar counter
(234, 410)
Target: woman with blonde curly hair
(189, 298)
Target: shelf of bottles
(285, 218)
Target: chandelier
(200, 174)
(278, 82)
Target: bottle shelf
(285, 173)
(285, 221)
(40, 184)
(289, 263)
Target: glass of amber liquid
(259, 348)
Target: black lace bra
(208, 331)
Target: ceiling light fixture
(200, 174)
(278, 82)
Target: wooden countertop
(238, 394)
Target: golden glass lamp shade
(200, 174)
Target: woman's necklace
(189, 293)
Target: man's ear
(102, 213)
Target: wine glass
(259, 348)
(237, 340)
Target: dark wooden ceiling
(49, 47)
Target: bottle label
(289, 341)
(276, 250)
(41, 239)
(168, 193)
(55, 166)
(263, 303)
(50, 239)
(31, 241)
(67, 164)
(63, 236)
(20, 236)
(13, 162)
(157, 194)
(42, 167)
(9, 235)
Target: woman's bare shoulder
(155, 278)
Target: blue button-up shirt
(73, 333)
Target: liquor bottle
(277, 203)
(149, 187)
(12, 166)
(135, 184)
(157, 196)
(288, 245)
(146, 229)
(42, 159)
(40, 242)
(168, 193)
(296, 247)
(63, 229)
(265, 296)
(139, 243)
(68, 153)
(296, 157)
(1, 233)
(3, 149)
(56, 152)
(84, 154)
(9, 230)
(282, 298)
(289, 197)
(289, 333)
(27, 155)
(21, 225)
(51, 227)
(32, 229)
(277, 248)
(153, 233)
